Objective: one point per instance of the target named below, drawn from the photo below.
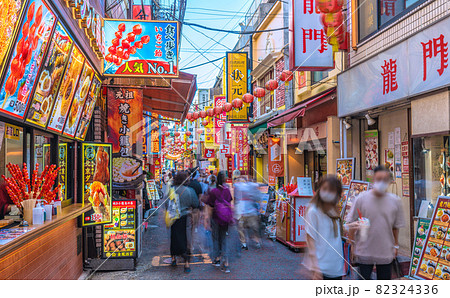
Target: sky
(223, 14)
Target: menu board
(371, 151)
(356, 187)
(10, 17)
(84, 86)
(304, 186)
(97, 182)
(434, 262)
(66, 91)
(62, 174)
(423, 226)
(50, 77)
(89, 108)
(119, 238)
(26, 60)
(344, 170)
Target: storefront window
(431, 169)
(266, 105)
(317, 76)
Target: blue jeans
(219, 236)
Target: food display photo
(88, 109)
(371, 146)
(356, 187)
(344, 170)
(423, 225)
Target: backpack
(222, 208)
(173, 208)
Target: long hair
(180, 178)
(221, 177)
(335, 185)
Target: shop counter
(48, 251)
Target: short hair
(211, 171)
(381, 169)
(180, 178)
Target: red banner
(276, 159)
(219, 121)
(240, 148)
(142, 12)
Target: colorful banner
(423, 225)
(219, 121)
(119, 239)
(125, 123)
(237, 83)
(155, 142)
(209, 131)
(88, 109)
(276, 159)
(97, 182)
(240, 148)
(141, 48)
(209, 153)
(27, 57)
(66, 91)
(62, 174)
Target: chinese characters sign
(62, 164)
(141, 48)
(276, 160)
(219, 121)
(97, 182)
(309, 45)
(236, 82)
(240, 148)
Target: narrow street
(274, 261)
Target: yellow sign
(12, 132)
(209, 131)
(236, 81)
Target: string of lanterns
(332, 20)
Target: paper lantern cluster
(332, 20)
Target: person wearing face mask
(323, 227)
(385, 214)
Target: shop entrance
(315, 166)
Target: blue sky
(223, 14)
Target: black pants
(325, 277)
(178, 238)
(384, 272)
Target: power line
(201, 64)
(232, 31)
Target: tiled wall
(421, 17)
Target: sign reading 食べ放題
(141, 48)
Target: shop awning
(174, 101)
(300, 109)
(255, 129)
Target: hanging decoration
(227, 107)
(177, 134)
(272, 85)
(286, 76)
(248, 98)
(332, 20)
(237, 104)
(189, 116)
(199, 131)
(217, 111)
(195, 115)
(205, 122)
(188, 133)
(259, 93)
(203, 114)
(210, 112)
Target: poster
(405, 184)
(50, 77)
(142, 12)
(304, 187)
(237, 83)
(276, 160)
(434, 262)
(82, 92)
(66, 91)
(389, 160)
(26, 60)
(125, 123)
(398, 161)
(62, 174)
(345, 170)
(88, 109)
(240, 148)
(97, 182)
(356, 187)
(371, 151)
(141, 48)
(119, 238)
(423, 225)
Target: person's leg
(224, 252)
(216, 243)
(365, 271)
(253, 224)
(326, 277)
(384, 272)
(241, 231)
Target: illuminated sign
(236, 81)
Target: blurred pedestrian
(380, 214)
(219, 200)
(211, 179)
(323, 232)
(178, 231)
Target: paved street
(273, 261)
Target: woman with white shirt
(323, 227)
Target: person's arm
(396, 246)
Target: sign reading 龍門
(236, 81)
(141, 48)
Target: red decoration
(188, 133)
(227, 107)
(203, 114)
(167, 133)
(177, 134)
(189, 116)
(329, 6)
(248, 98)
(286, 76)
(195, 115)
(217, 111)
(237, 103)
(195, 142)
(199, 131)
(210, 112)
(205, 122)
(271, 85)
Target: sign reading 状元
(236, 82)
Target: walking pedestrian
(384, 213)
(219, 200)
(323, 232)
(178, 231)
(211, 179)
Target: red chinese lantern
(189, 116)
(227, 107)
(332, 20)
(210, 112)
(177, 134)
(237, 104)
(195, 142)
(217, 111)
(259, 92)
(286, 76)
(329, 6)
(248, 98)
(199, 131)
(189, 142)
(167, 133)
(203, 114)
(205, 122)
(272, 85)
(183, 142)
(195, 115)
(188, 133)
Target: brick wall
(421, 17)
(280, 93)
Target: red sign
(436, 47)
(142, 12)
(240, 148)
(219, 121)
(209, 153)
(276, 159)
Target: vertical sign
(219, 121)
(236, 82)
(423, 225)
(62, 163)
(276, 160)
(371, 151)
(309, 43)
(240, 148)
(209, 131)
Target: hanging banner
(62, 174)
(308, 47)
(142, 12)
(27, 58)
(125, 123)
(276, 158)
(219, 121)
(96, 182)
(141, 48)
(236, 82)
(209, 131)
(240, 148)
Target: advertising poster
(10, 18)
(119, 238)
(141, 48)
(237, 84)
(84, 86)
(125, 122)
(219, 121)
(89, 107)
(62, 163)
(276, 158)
(50, 77)
(304, 187)
(356, 187)
(389, 160)
(371, 151)
(66, 91)
(345, 171)
(434, 262)
(209, 131)
(27, 57)
(240, 148)
(422, 230)
(97, 182)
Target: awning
(174, 101)
(255, 129)
(300, 109)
